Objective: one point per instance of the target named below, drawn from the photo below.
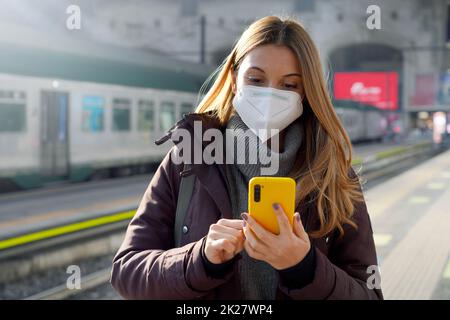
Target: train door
(54, 134)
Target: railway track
(62, 292)
(57, 248)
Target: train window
(167, 115)
(12, 117)
(12, 95)
(12, 111)
(146, 113)
(121, 114)
(185, 108)
(93, 114)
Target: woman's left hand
(281, 251)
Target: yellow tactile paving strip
(73, 212)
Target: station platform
(34, 215)
(411, 221)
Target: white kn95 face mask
(265, 108)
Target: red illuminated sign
(376, 88)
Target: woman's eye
(254, 80)
(290, 86)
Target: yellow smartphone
(263, 192)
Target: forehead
(272, 59)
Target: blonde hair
(323, 163)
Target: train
(69, 116)
(363, 122)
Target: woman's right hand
(225, 239)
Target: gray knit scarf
(259, 280)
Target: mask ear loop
(302, 98)
(302, 105)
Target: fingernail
(276, 206)
(297, 217)
(244, 216)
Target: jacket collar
(208, 175)
(208, 120)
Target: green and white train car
(69, 116)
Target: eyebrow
(286, 75)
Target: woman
(224, 253)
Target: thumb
(299, 230)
